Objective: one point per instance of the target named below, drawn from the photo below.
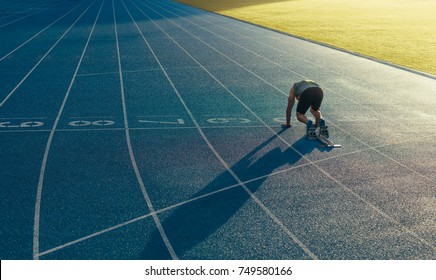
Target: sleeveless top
(300, 87)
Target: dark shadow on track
(191, 224)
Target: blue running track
(148, 129)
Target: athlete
(309, 95)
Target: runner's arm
(291, 101)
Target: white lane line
(21, 18)
(328, 175)
(34, 36)
(5, 15)
(173, 128)
(116, 73)
(30, 118)
(28, 15)
(42, 58)
(10, 14)
(145, 70)
(206, 195)
(215, 152)
(286, 93)
(220, 190)
(134, 128)
(93, 235)
(275, 48)
(292, 71)
(132, 155)
(247, 25)
(49, 141)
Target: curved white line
(132, 155)
(328, 175)
(217, 155)
(286, 93)
(49, 141)
(220, 190)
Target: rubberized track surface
(138, 129)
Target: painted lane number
(227, 120)
(94, 123)
(178, 121)
(27, 124)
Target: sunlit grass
(399, 31)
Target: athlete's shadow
(193, 223)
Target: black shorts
(311, 97)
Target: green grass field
(402, 32)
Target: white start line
(87, 122)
